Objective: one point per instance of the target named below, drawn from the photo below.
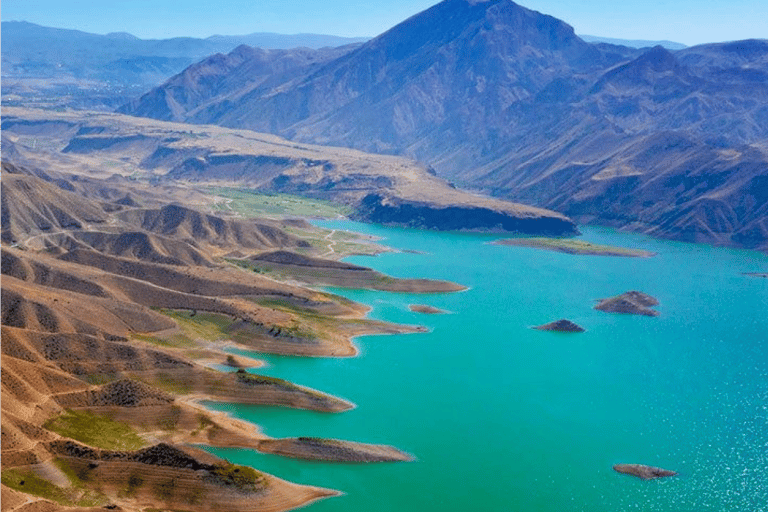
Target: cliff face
(375, 208)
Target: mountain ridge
(499, 97)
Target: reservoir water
(502, 417)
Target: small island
(642, 471)
(571, 246)
(562, 325)
(427, 310)
(630, 303)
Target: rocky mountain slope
(493, 95)
(378, 188)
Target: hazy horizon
(686, 21)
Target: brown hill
(117, 327)
(198, 228)
(31, 207)
(383, 189)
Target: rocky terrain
(642, 471)
(383, 189)
(562, 325)
(631, 303)
(510, 101)
(112, 312)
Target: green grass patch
(95, 430)
(171, 384)
(250, 203)
(99, 379)
(28, 482)
(173, 341)
(197, 325)
(241, 477)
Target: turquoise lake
(502, 417)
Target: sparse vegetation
(95, 430)
(250, 203)
(198, 325)
(204, 423)
(172, 384)
(165, 489)
(135, 481)
(169, 422)
(173, 341)
(242, 477)
(30, 483)
(262, 380)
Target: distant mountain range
(495, 96)
(91, 70)
(634, 43)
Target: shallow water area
(502, 417)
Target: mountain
(77, 68)
(633, 43)
(244, 68)
(496, 96)
(442, 78)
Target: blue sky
(685, 21)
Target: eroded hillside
(118, 318)
(378, 188)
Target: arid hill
(379, 188)
(113, 312)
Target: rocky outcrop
(450, 217)
(631, 303)
(644, 472)
(560, 326)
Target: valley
(670, 143)
(476, 262)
